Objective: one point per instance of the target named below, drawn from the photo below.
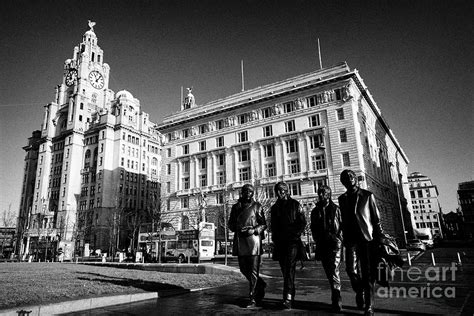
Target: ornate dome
(124, 94)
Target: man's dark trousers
(287, 262)
(250, 267)
(365, 282)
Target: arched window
(95, 157)
(185, 222)
(87, 159)
(154, 162)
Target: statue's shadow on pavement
(273, 306)
(163, 289)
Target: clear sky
(415, 57)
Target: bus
(181, 245)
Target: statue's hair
(248, 185)
(280, 184)
(348, 172)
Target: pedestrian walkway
(312, 298)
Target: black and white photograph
(237, 157)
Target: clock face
(71, 77)
(96, 79)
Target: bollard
(433, 259)
(77, 259)
(409, 259)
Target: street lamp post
(399, 202)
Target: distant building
(454, 225)
(424, 199)
(91, 172)
(304, 130)
(466, 203)
(7, 242)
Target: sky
(415, 57)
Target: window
(293, 166)
(202, 145)
(267, 112)
(168, 169)
(318, 162)
(168, 152)
(203, 180)
(202, 163)
(270, 170)
(242, 136)
(186, 183)
(186, 133)
(184, 202)
(346, 161)
(311, 101)
(220, 175)
(267, 131)
(220, 124)
(220, 141)
(220, 198)
(420, 193)
(412, 194)
(185, 149)
(186, 166)
(316, 141)
(244, 174)
(318, 183)
(288, 107)
(343, 135)
(269, 150)
(290, 126)
(340, 114)
(244, 155)
(221, 159)
(314, 120)
(243, 118)
(202, 128)
(269, 192)
(292, 146)
(294, 188)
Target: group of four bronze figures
(354, 224)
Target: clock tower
(85, 83)
(80, 100)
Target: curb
(79, 305)
(97, 302)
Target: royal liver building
(99, 171)
(92, 170)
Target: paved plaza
(422, 289)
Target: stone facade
(304, 131)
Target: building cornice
(257, 95)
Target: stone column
(210, 169)
(254, 162)
(178, 175)
(279, 157)
(193, 167)
(303, 152)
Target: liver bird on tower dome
(91, 25)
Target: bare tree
(8, 218)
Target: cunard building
(304, 130)
(91, 172)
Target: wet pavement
(422, 289)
